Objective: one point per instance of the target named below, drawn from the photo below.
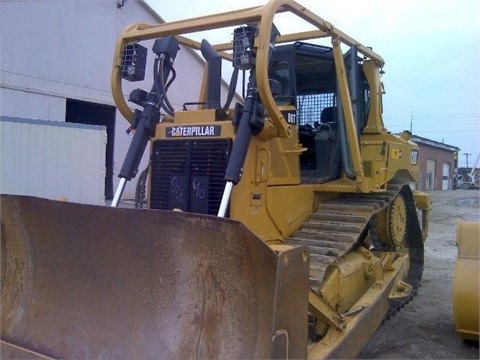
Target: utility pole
(466, 156)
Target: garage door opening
(431, 175)
(83, 112)
(446, 176)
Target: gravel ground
(424, 328)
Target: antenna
(411, 123)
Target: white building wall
(54, 50)
(61, 48)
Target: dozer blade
(82, 281)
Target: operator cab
(304, 76)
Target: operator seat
(327, 149)
(306, 136)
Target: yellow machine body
(314, 247)
(466, 280)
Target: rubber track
(339, 226)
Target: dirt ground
(424, 328)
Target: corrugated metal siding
(52, 159)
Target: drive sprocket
(397, 222)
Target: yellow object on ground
(466, 280)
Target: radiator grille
(188, 174)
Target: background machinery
(469, 180)
(296, 228)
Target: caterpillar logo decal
(193, 131)
(396, 154)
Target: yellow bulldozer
(285, 225)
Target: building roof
(437, 144)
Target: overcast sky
(431, 50)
